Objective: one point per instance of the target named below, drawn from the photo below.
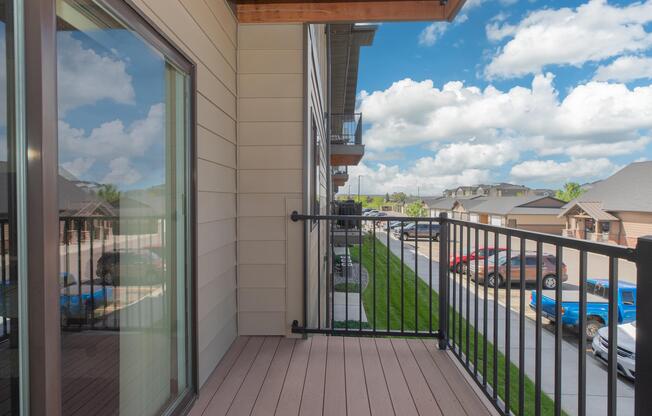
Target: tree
(415, 209)
(570, 191)
(387, 197)
(110, 194)
(399, 197)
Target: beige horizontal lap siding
(270, 152)
(634, 225)
(205, 30)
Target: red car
(459, 262)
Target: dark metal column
(643, 383)
(443, 281)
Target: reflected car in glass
(138, 266)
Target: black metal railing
(113, 274)
(346, 128)
(466, 284)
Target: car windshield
(502, 258)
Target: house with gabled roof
(616, 210)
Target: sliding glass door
(124, 163)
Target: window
(627, 297)
(124, 181)
(531, 261)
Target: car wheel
(592, 327)
(405, 237)
(458, 267)
(549, 282)
(435, 238)
(491, 280)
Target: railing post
(443, 280)
(643, 383)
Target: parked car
(420, 230)
(78, 302)
(398, 229)
(144, 266)
(459, 263)
(626, 352)
(597, 305)
(548, 269)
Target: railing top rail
(621, 252)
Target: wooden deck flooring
(337, 376)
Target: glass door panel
(123, 174)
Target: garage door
(474, 218)
(497, 221)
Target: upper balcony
(340, 176)
(346, 139)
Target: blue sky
(533, 92)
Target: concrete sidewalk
(596, 373)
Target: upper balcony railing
(484, 292)
(346, 128)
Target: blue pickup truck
(597, 305)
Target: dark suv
(141, 267)
(421, 230)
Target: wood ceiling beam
(337, 11)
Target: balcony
(340, 176)
(503, 335)
(346, 139)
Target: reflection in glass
(10, 388)
(122, 178)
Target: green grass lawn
(416, 314)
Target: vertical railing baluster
(360, 247)
(453, 333)
(466, 267)
(444, 300)
(495, 314)
(374, 273)
(612, 366)
(92, 299)
(537, 348)
(79, 265)
(416, 276)
(508, 313)
(430, 277)
(347, 258)
(387, 291)
(581, 360)
(460, 312)
(331, 225)
(485, 310)
(319, 265)
(558, 327)
(403, 237)
(521, 329)
(475, 304)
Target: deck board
(357, 399)
(335, 384)
(337, 376)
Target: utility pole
(359, 176)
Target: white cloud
(85, 77)
(455, 157)
(608, 149)
(113, 139)
(625, 69)
(551, 171)
(121, 173)
(590, 33)
(79, 166)
(385, 178)
(413, 113)
(432, 33)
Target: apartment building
(201, 125)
